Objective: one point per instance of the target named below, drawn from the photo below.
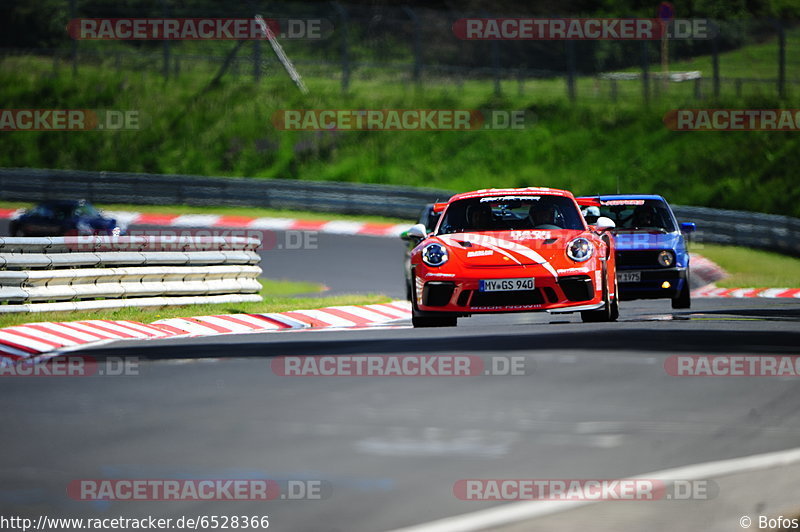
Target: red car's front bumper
(462, 294)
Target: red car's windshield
(501, 213)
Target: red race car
(512, 250)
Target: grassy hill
(596, 145)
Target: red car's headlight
(580, 250)
(434, 255)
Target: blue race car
(652, 260)
(63, 218)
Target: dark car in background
(63, 218)
(429, 218)
(652, 259)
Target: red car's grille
(506, 299)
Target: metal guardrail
(70, 273)
(742, 228)
(26, 184)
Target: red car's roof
(528, 191)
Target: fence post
(74, 53)
(570, 49)
(165, 14)
(257, 60)
(496, 67)
(781, 60)
(645, 73)
(715, 64)
(417, 42)
(345, 52)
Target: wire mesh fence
(354, 44)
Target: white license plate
(506, 285)
(629, 277)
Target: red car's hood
(510, 248)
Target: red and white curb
(32, 340)
(713, 291)
(338, 227)
(706, 270)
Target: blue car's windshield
(638, 214)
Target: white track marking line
(60, 329)
(342, 227)
(521, 511)
(195, 220)
(189, 326)
(9, 336)
(326, 317)
(367, 314)
(118, 327)
(257, 323)
(287, 320)
(48, 337)
(271, 223)
(222, 322)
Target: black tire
(609, 312)
(684, 298)
(615, 303)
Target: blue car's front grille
(642, 258)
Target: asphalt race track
(595, 402)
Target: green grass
(751, 268)
(593, 146)
(250, 212)
(279, 296)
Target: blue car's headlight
(666, 258)
(580, 250)
(434, 255)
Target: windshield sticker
(623, 202)
(530, 235)
(509, 198)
